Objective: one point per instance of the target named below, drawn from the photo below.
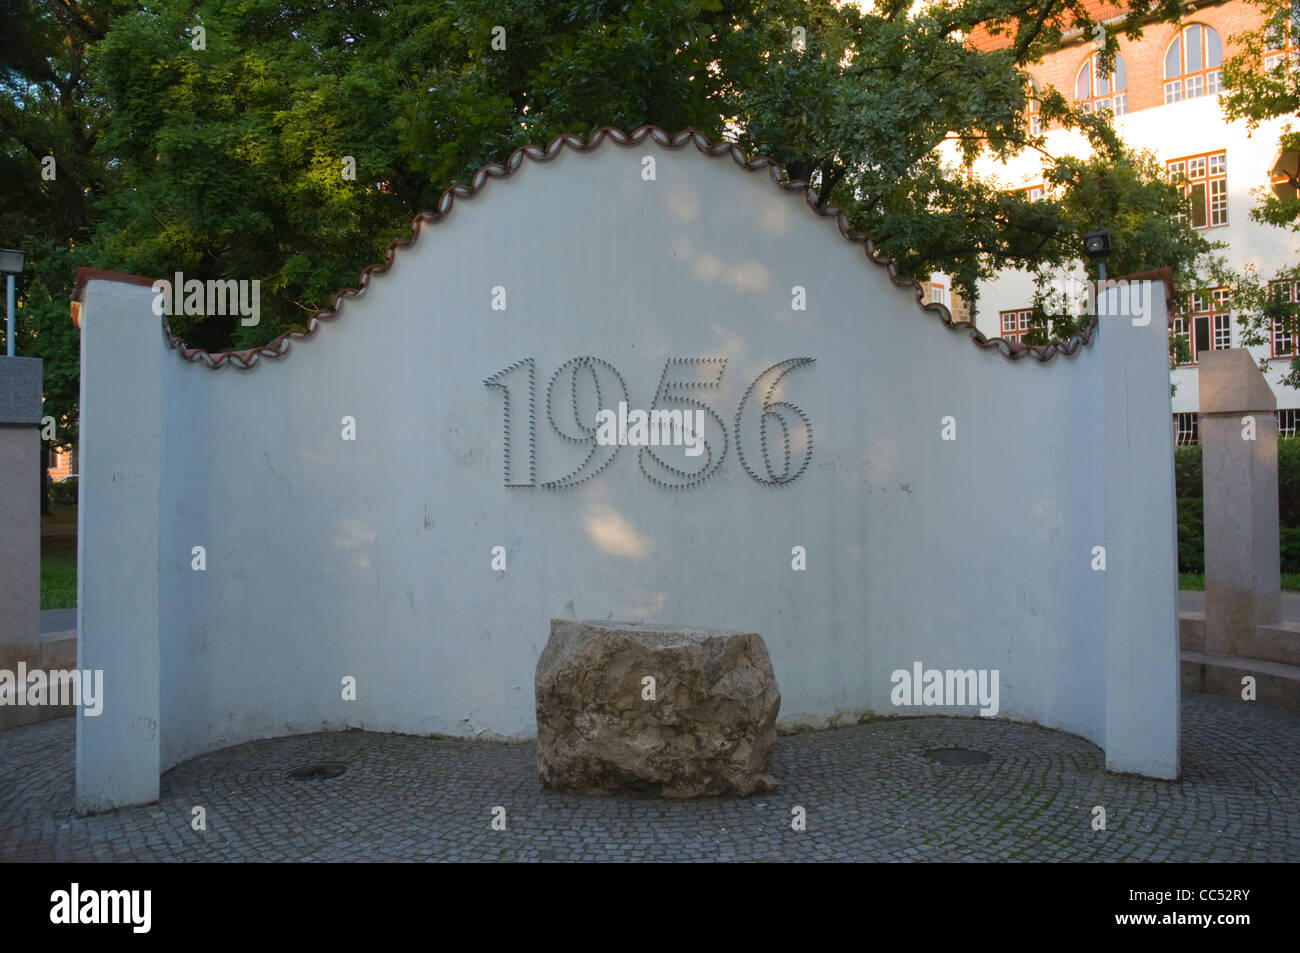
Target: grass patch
(60, 513)
(58, 572)
(1196, 581)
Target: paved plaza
(871, 793)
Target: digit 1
(498, 380)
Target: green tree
(862, 110)
(222, 156)
(50, 178)
(1262, 83)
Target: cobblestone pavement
(870, 793)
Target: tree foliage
(1258, 91)
(223, 158)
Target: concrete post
(1239, 447)
(1141, 637)
(117, 552)
(20, 524)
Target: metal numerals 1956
(769, 459)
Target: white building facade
(1164, 92)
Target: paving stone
(869, 792)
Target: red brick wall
(1144, 58)
(62, 467)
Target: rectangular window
(1121, 104)
(1283, 53)
(1201, 340)
(1286, 420)
(1217, 173)
(1283, 340)
(1180, 331)
(1174, 91)
(1218, 202)
(1035, 114)
(1222, 331)
(1282, 343)
(1207, 187)
(1015, 323)
(1207, 323)
(1200, 216)
(1035, 193)
(1176, 170)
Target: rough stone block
(706, 725)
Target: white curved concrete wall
(372, 557)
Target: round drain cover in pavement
(953, 756)
(317, 772)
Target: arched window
(1095, 90)
(1193, 63)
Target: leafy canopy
(224, 159)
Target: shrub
(64, 492)
(1191, 535)
(1290, 540)
(1187, 471)
(1188, 477)
(1191, 518)
(1288, 482)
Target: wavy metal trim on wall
(278, 348)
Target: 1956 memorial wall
(409, 495)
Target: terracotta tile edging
(99, 274)
(280, 346)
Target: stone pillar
(20, 522)
(1239, 452)
(118, 750)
